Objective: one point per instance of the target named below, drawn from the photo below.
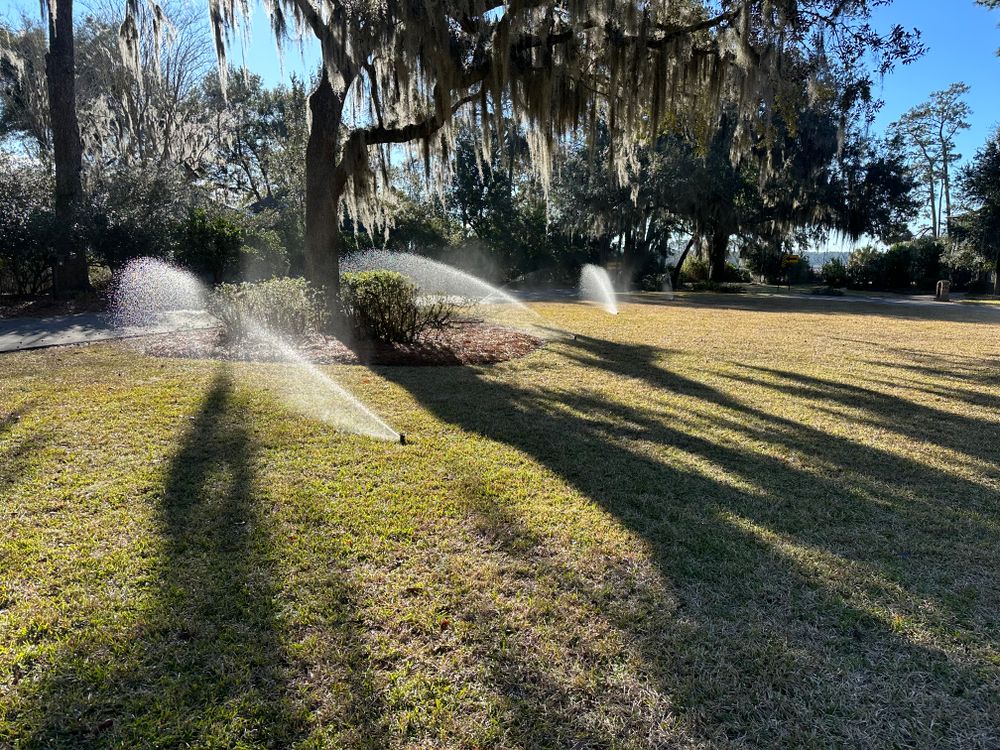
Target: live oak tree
(812, 181)
(148, 115)
(400, 72)
(145, 119)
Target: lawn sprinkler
(402, 438)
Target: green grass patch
(722, 521)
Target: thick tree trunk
(69, 273)
(323, 191)
(604, 250)
(718, 252)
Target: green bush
(764, 261)
(694, 270)
(100, 277)
(733, 274)
(386, 306)
(966, 266)
(834, 273)
(654, 282)
(896, 264)
(281, 305)
(797, 272)
(210, 244)
(132, 213)
(917, 263)
(27, 228)
(264, 256)
(914, 263)
(866, 268)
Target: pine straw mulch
(458, 343)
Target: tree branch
(359, 140)
(413, 131)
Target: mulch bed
(459, 343)
(45, 306)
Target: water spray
(595, 286)
(149, 292)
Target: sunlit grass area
(719, 521)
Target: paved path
(17, 334)
(35, 333)
(920, 300)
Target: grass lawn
(721, 521)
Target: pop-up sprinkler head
(402, 439)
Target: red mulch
(460, 343)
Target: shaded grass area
(700, 523)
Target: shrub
(966, 265)
(282, 305)
(210, 244)
(263, 256)
(914, 263)
(798, 272)
(100, 277)
(904, 265)
(735, 275)
(834, 273)
(694, 270)
(133, 213)
(866, 267)
(386, 306)
(764, 261)
(896, 264)
(654, 282)
(27, 228)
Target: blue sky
(962, 38)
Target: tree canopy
(400, 73)
(980, 227)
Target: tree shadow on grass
(968, 435)
(17, 449)
(868, 502)
(808, 608)
(802, 304)
(203, 664)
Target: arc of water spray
(434, 277)
(595, 286)
(148, 288)
(315, 394)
